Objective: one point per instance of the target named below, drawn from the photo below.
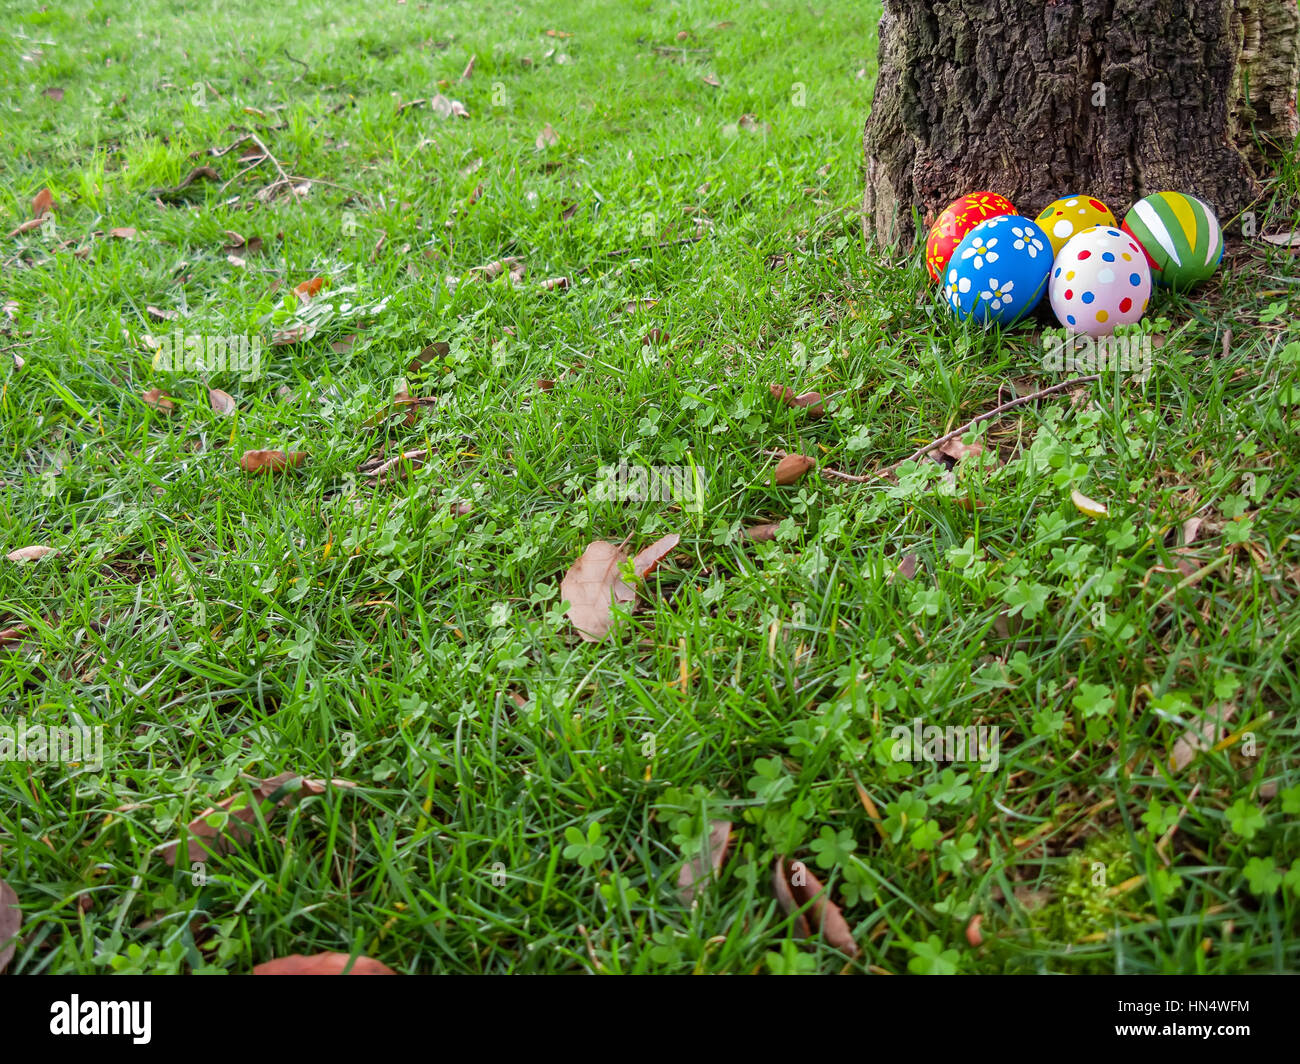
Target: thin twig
(854, 478)
(405, 456)
(284, 177)
(1001, 409)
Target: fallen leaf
(437, 349)
(648, 558)
(546, 138)
(16, 634)
(30, 554)
(322, 964)
(956, 450)
(271, 461)
(761, 533)
(468, 72)
(126, 232)
(706, 864)
(309, 289)
(751, 123)
(233, 814)
(552, 283)
(810, 401)
(28, 226)
(711, 79)
(1284, 240)
(295, 335)
(445, 107)
(590, 584)
(1086, 506)
(159, 400)
(654, 336)
(160, 314)
(343, 344)
(793, 466)
(906, 568)
(221, 402)
(43, 203)
(545, 383)
(801, 895)
(493, 270)
(56, 94)
(11, 922)
(1203, 737)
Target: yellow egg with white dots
(1070, 215)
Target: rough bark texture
(1005, 95)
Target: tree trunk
(1115, 99)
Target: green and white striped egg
(1181, 236)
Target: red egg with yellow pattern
(959, 218)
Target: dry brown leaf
(493, 270)
(16, 634)
(711, 80)
(445, 107)
(810, 401)
(207, 839)
(906, 568)
(11, 922)
(545, 384)
(648, 558)
(309, 289)
(28, 226)
(221, 402)
(160, 314)
(54, 93)
(1284, 240)
(159, 400)
(761, 533)
(43, 203)
(1204, 736)
(552, 283)
(793, 466)
(322, 964)
(706, 864)
(437, 349)
(468, 72)
(30, 554)
(546, 138)
(271, 461)
(125, 232)
(956, 450)
(594, 581)
(588, 587)
(800, 894)
(654, 336)
(296, 335)
(752, 123)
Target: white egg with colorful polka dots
(1100, 279)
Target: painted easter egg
(958, 219)
(1099, 280)
(999, 270)
(1071, 215)
(1181, 236)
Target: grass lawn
(523, 800)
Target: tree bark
(1115, 99)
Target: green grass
(217, 624)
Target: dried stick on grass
(962, 430)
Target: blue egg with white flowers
(999, 271)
